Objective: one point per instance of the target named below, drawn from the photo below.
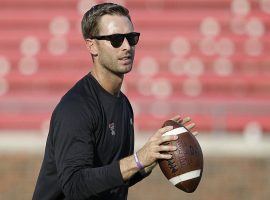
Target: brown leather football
(184, 169)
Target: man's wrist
(138, 163)
(128, 167)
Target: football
(185, 168)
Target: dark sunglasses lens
(117, 40)
(133, 39)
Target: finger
(165, 148)
(149, 168)
(152, 165)
(163, 156)
(176, 118)
(186, 120)
(167, 138)
(163, 130)
(190, 126)
(195, 133)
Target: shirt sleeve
(73, 142)
(137, 178)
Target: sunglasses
(118, 39)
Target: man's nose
(126, 45)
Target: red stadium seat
(219, 78)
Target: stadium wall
(234, 169)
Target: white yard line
(212, 145)
(22, 142)
(225, 145)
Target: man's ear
(91, 46)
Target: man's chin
(126, 68)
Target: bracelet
(138, 163)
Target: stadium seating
(206, 59)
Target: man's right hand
(151, 151)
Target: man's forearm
(148, 154)
(128, 167)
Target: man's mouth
(125, 58)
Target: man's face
(116, 60)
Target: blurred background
(207, 59)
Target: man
(89, 150)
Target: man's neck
(109, 81)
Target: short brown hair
(90, 20)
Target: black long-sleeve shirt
(90, 131)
